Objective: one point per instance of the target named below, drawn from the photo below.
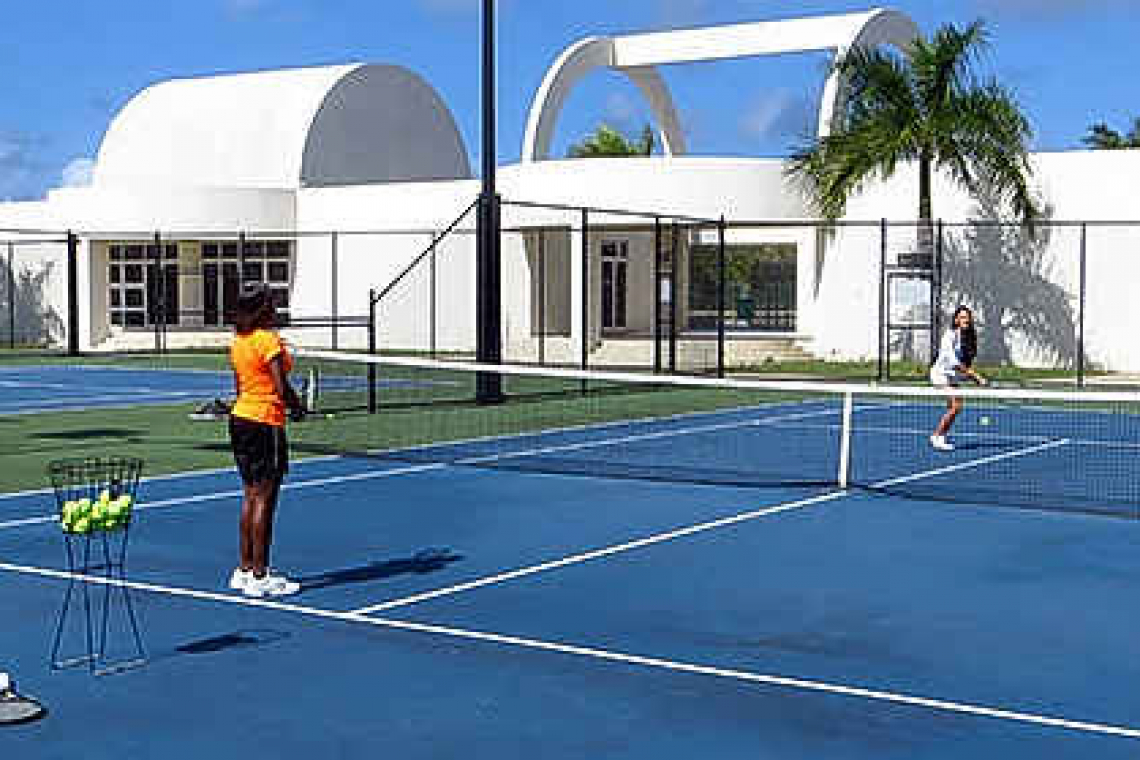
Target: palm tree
(1103, 137)
(925, 106)
(607, 141)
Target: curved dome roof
(311, 127)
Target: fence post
(241, 263)
(10, 276)
(658, 280)
(372, 350)
(541, 297)
(585, 338)
(335, 276)
(674, 291)
(157, 310)
(72, 294)
(1081, 306)
(936, 295)
(721, 284)
(432, 338)
(883, 372)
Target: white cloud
(780, 114)
(620, 107)
(20, 169)
(1053, 8)
(679, 13)
(245, 6)
(78, 173)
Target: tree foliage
(1103, 137)
(608, 142)
(927, 106)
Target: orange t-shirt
(250, 356)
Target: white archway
(638, 55)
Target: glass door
(615, 275)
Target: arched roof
(638, 55)
(290, 128)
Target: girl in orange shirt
(261, 364)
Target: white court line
(972, 463)
(857, 692)
(698, 528)
(467, 461)
(33, 384)
(236, 493)
(598, 553)
(84, 403)
(334, 457)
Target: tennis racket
(15, 708)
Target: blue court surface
(30, 389)
(452, 611)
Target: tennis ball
(984, 421)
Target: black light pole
(488, 297)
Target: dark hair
(968, 336)
(254, 309)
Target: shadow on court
(224, 642)
(91, 433)
(427, 561)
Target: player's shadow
(983, 446)
(427, 561)
(89, 433)
(225, 642)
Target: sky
(68, 66)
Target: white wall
(1028, 287)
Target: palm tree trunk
(925, 213)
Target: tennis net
(1059, 450)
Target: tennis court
(552, 578)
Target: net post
(371, 350)
(844, 474)
(72, 294)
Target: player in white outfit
(954, 364)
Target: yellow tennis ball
(984, 421)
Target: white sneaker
(270, 585)
(239, 578)
(939, 442)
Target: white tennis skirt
(940, 379)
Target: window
(145, 280)
(759, 282)
(225, 269)
(142, 284)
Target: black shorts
(260, 450)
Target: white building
(247, 177)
